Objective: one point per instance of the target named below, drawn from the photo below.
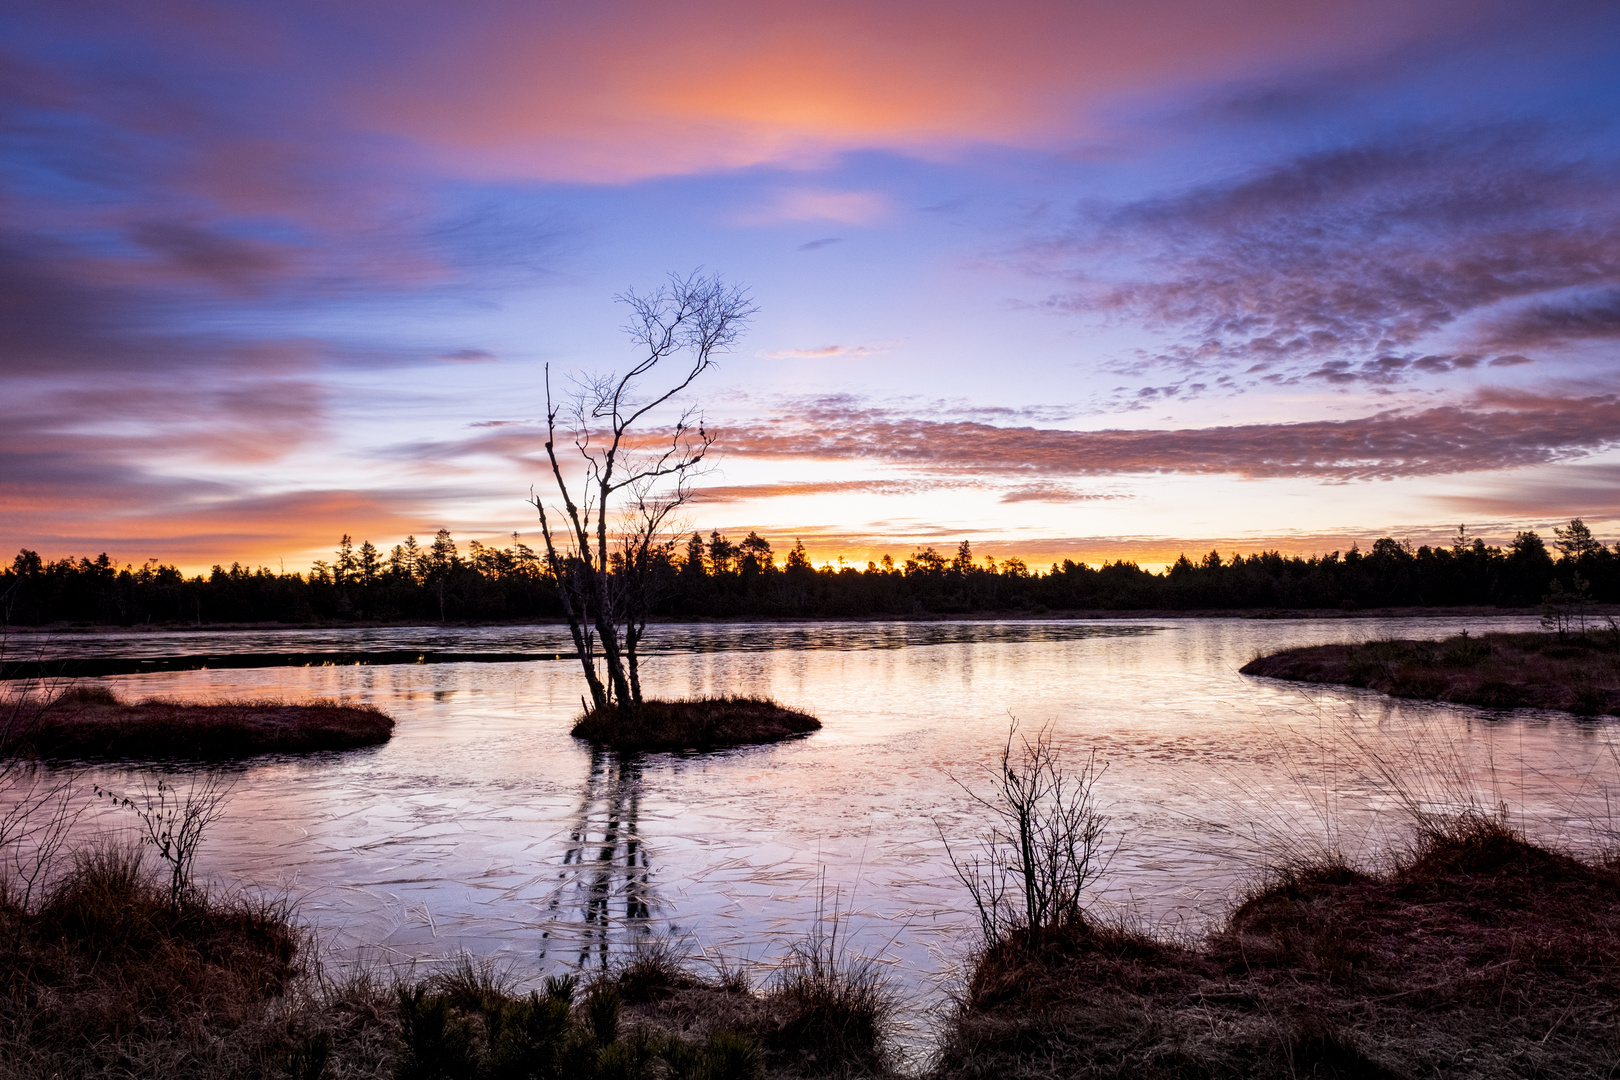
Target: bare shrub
(39, 812)
(173, 822)
(34, 832)
(1046, 846)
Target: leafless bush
(22, 704)
(39, 812)
(1046, 846)
(174, 822)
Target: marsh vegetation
(1472, 953)
(1274, 985)
(705, 723)
(93, 722)
(1576, 672)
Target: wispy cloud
(814, 204)
(1339, 265)
(824, 352)
(796, 489)
(1585, 316)
(1496, 430)
(1055, 493)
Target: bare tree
(609, 530)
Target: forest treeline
(715, 577)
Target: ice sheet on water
(482, 825)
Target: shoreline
(1010, 615)
(1463, 956)
(1458, 955)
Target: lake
(482, 826)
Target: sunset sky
(1067, 279)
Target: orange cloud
(195, 532)
(617, 91)
(1498, 430)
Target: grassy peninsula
(1576, 672)
(1475, 954)
(707, 723)
(90, 722)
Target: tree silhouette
(628, 478)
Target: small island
(92, 722)
(1575, 672)
(708, 723)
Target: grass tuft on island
(1576, 672)
(92, 722)
(707, 723)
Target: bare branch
(605, 580)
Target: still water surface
(482, 826)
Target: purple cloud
(1336, 264)
(1496, 431)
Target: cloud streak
(825, 352)
(1496, 431)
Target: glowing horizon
(1062, 280)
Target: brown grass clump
(107, 978)
(91, 722)
(694, 724)
(824, 1014)
(468, 1024)
(828, 1015)
(1477, 954)
(1579, 673)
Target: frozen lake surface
(482, 826)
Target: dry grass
(93, 723)
(825, 1014)
(468, 1024)
(1476, 954)
(694, 724)
(106, 978)
(1579, 673)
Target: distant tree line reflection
(714, 577)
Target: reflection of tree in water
(605, 877)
